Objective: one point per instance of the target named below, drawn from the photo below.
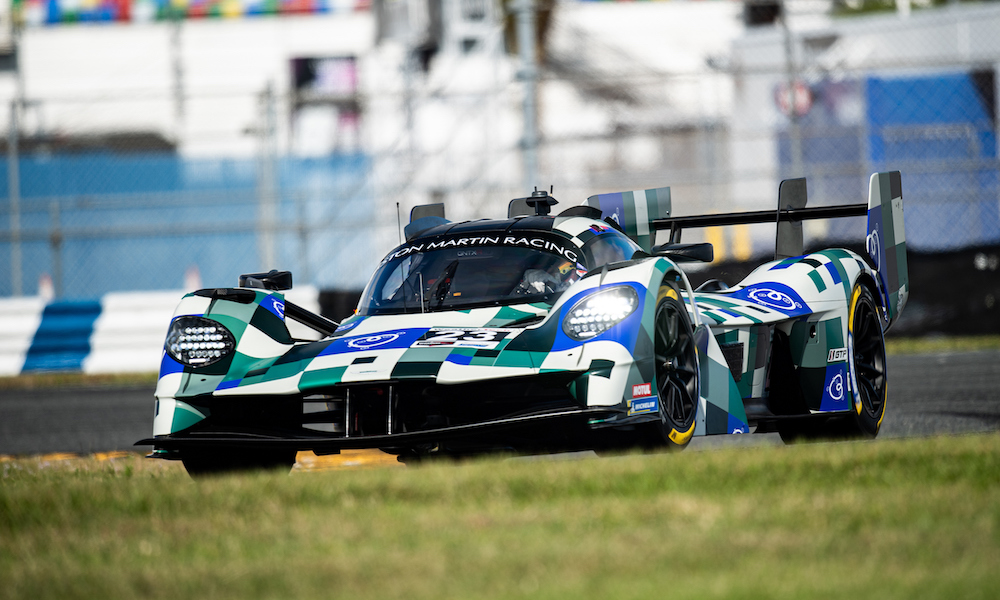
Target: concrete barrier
(122, 332)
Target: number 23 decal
(462, 338)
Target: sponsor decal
(836, 387)
(348, 326)
(441, 337)
(775, 296)
(569, 253)
(872, 243)
(373, 341)
(641, 390)
(274, 305)
(837, 355)
(642, 406)
(773, 299)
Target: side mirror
(272, 280)
(703, 252)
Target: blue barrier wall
(141, 222)
(939, 130)
(62, 340)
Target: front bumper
(208, 440)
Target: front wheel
(676, 369)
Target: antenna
(399, 224)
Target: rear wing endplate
(635, 211)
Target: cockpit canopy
(448, 272)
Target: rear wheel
(866, 349)
(866, 352)
(676, 369)
(218, 462)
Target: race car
(544, 332)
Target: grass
(65, 379)
(911, 518)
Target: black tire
(866, 351)
(676, 369)
(220, 462)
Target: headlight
(198, 342)
(599, 312)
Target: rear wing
(885, 239)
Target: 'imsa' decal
(487, 339)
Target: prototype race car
(544, 333)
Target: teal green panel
(282, 371)
(744, 386)
(321, 378)
(835, 253)
(462, 352)
(728, 337)
(716, 301)
(437, 355)
(817, 280)
(516, 358)
(601, 368)
(749, 317)
(809, 351)
(834, 333)
(271, 325)
(184, 417)
(840, 270)
(507, 315)
(243, 364)
(720, 377)
(736, 407)
(195, 384)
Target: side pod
(886, 241)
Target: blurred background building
(163, 144)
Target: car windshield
(459, 273)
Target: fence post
(267, 181)
(14, 193)
(55, 246)
(526, 32)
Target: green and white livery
(542, 333)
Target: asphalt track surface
(929, 394)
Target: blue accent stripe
(225, 385)
(832, 268)
(168, 365)
(62, 339)
(459, 359)
(785, 263)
